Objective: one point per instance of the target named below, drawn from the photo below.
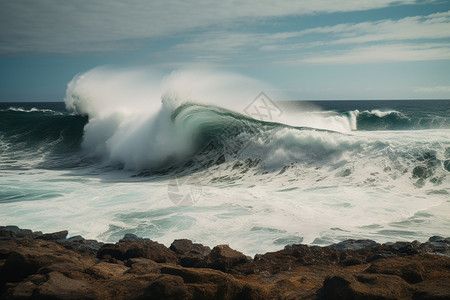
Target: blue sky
(305, 50)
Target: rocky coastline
(34, 265)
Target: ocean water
(257, 175)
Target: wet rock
(355, 245)
(287, 259)
(439, 244)
(79, 244)
(75, 239)
(138, 268)
(223, 258)
(17, 233)
(190, 254)
(131, 249)
(27, 257)
(92, 245)
(186, 247)
(129, 237)
(436, 238)
(60, 235)
(404, 248)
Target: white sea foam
(31, 110)
(129, 111)
(287, 185)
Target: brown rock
(365, 287)
(213, 284)
(106, 270)
(414, 269)
(59, 286)
(137, 268)
(168, 287)
(287, 259)
(31, 255)
(132, 249)
(190, 254)
(141, 266)
(14, 232)
(24, 289)
(223, 258)
(72, 270)
(60, 235)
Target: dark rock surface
(355, 245)
(49, 266)
(55, 236)
(190, 254)
(131, 248)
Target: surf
(106, 165)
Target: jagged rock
(75, 239)
(186, 247)
(223, 258)
(405, 248)
(142, 269)
(190, 254)
(59, 286)
(436, 238)
(131, 249)
(167, 287)
(26, 288)
(70, 269)
(79, 244)
(60, 235)
(129, 237)
(142, 266)
(29, 256)
(17, 233)
(365, 287)
(286, 259)
(213, 284)
(379, 256)
(106, 270)
(355, 245)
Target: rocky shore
(51, 266)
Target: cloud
(381, 53)
(434, 89)
(77, 26)
(416, 38)
(434, 26)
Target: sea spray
(315, 175)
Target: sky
(303, 50)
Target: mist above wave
(130, 111)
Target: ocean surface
(257, 177)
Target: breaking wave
(180, 125)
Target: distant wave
(31, 110)
(40, 131)
(395, 120)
